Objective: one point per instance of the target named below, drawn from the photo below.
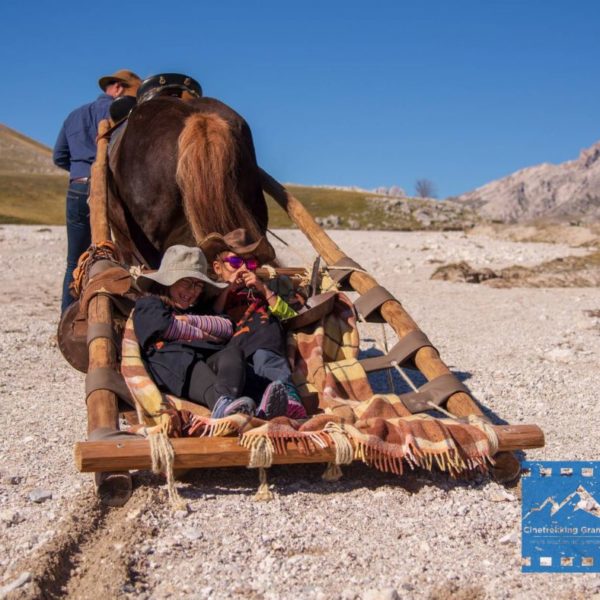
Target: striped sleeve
(218, 327)
(182, 330)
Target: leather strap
(368, 304)
(102, 265)
(401, 352)
(113, 280)
(340, 275)
(106, 378)
(101, 330)
(437, 390)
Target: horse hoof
(113, 489)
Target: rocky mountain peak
(568, 191)
(589, 156)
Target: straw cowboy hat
(239, 242)
(178, 263)
(128, 79)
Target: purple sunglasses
(237, 261)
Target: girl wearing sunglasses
(256, 312)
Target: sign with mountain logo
(561, 517)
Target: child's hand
(236, 284)
(181, 317)
(251, 280)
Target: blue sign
(561, 517)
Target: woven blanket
(358, 424)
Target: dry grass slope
(32, 189)
(32, 199)
(323, 202)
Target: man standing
(75, 151)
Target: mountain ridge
(554, 192)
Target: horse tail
(207, 171)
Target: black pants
(223, 374)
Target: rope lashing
(488, 429)
(261, 450)
(386, 349)
(406, 378)
(163, 458)
(106, 250)
(263, 494)
(271, 271)
(476, 421)
(261, 458)
(334, 268)
(344, 452)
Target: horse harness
(165, 84)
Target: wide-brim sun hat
(238, 241)
(180, 262)
(125, 77)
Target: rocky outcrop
(394, 191)
(425, 213)
(569, 271)
(568, 191)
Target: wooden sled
(112, 460)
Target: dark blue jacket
(75, 148)
(168, 362)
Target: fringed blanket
(358, 424)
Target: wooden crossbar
(226, 452)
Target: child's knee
(233, 353)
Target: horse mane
(207, 169)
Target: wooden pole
(193, 453)
(427, 359)
(114, 489)
(294, 272)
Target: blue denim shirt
(75, 148)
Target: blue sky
(339, 92)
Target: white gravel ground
(529, 355)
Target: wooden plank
(189, 453)
(194, 453)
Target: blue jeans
(271, 366)
(79, 236)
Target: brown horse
(179, 171)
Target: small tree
(425, 188)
